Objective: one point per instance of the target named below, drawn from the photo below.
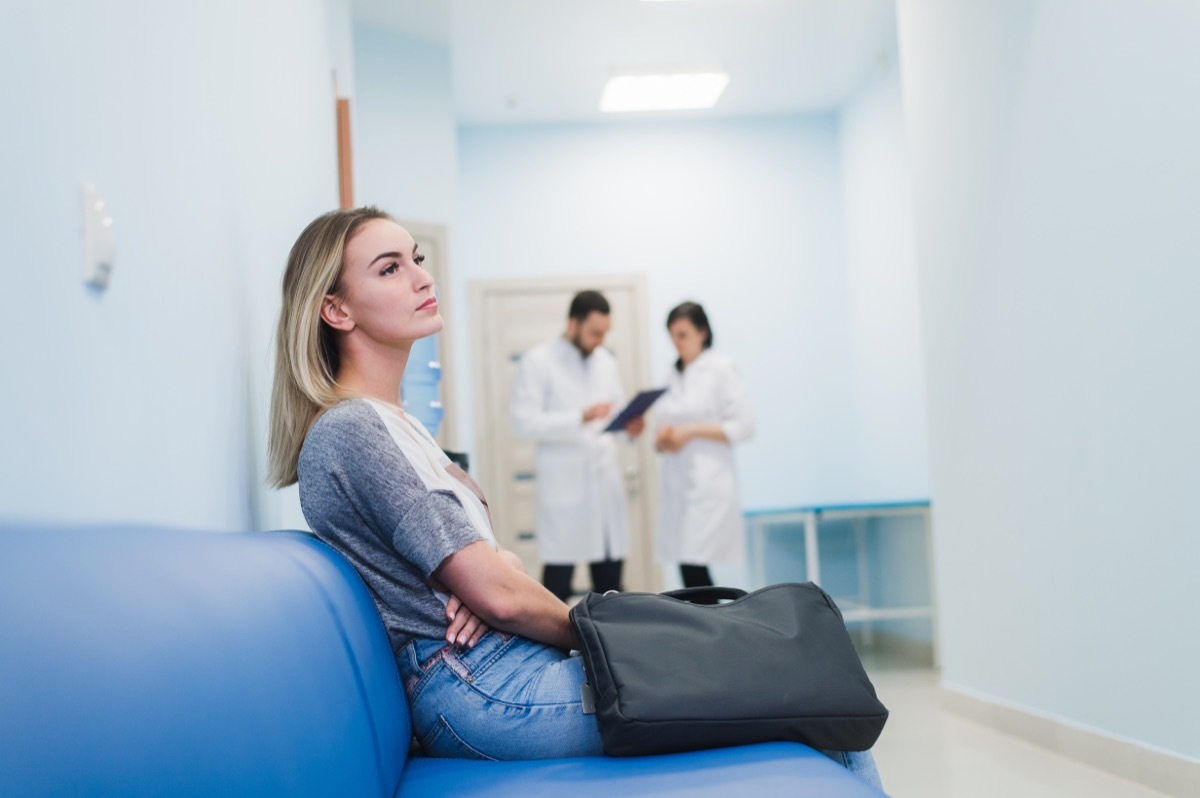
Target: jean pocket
(443, 742)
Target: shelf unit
(862, 608)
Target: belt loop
(457, 665)
(409, 656)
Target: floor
(926, 752)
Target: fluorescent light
(663, 92)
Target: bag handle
(706, 595)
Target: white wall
(213, 151)
(743, 216)
(1057, 185)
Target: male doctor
(566, 391)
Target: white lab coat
(580, 495)
(700, 518)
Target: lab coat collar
(700, 359)
(568, 349)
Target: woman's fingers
(457, 616)
(471, 632)
(464, 627)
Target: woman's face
(688, 340)
(385, 294)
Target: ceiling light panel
(664, 92)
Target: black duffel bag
(678, 672)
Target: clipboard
(636, 407)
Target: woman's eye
(392, 267)
(419, 259)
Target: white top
(430, 463)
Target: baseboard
(1157, 769)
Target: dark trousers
(606, 575)
(695, 575)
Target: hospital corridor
(351, 345)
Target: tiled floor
(926, 752)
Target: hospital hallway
(928, 752)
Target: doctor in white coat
(565, 392)
(701, 416)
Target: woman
(702, 414)
(481, 646)
(376, 487)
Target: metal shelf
(859, 609)
(852, 612)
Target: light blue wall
(405, 135)
(212, 149)
(888, 441)
(889, 435)
(406, 158)
(1057, 181)
(743, 216)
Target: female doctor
(701, 416)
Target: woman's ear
(333, 314)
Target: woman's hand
(671, 439)
(465, 628)
(503, 597)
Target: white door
(510, 317)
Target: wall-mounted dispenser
(99, 246)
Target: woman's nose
(423, 278)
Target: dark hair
(587, 302)
(693, 312)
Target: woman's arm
(672, 439)
(513, 560)
(464, 627)
(505, 598)
(735, 413)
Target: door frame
(432, 241)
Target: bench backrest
(139, 661)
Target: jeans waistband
(423, 655)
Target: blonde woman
(376, 487)
(482, 647)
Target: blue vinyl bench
(142, 661)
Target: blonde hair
(306, 354)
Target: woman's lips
(428, 303)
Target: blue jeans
(507, 698)
(512, 698)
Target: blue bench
(145, 661)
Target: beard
(577, 340)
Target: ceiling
(521, 61)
